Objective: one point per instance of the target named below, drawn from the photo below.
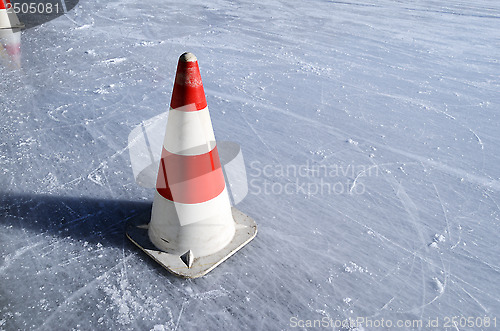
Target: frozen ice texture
(344, 228)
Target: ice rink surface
(370, 132)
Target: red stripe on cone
(190, 178)
(188, 87)
(2, 4)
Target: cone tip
(188, 57)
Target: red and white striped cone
(10, 47)
(192, 227)
(8, 18)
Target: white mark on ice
(81, 27)
(104, 89)
(28, 142)
(434, 245)
(478, 139)
(114, 61)
(212, 294)
(439, 238)
(352, 142)
(353, 267)
(361, 173)
(438, 285)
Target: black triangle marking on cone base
(137, 232)
(187, 258)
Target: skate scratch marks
(476, 300)
(384, 238)
(477, 137)
(180, 315)
(444, 211)
(416, 254)
(387, 304)
(475, 179)
(258, 136)
(80, 292)
(94, 175)
(358, 175)
(410, 208)
(9, 259)
(375, 165)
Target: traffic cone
(192, 228)
(8, 18)
(10, 47)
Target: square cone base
(137, 232)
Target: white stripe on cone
(204, 228)
(189, 133)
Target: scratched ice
(370, 133)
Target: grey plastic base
(137, 232)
